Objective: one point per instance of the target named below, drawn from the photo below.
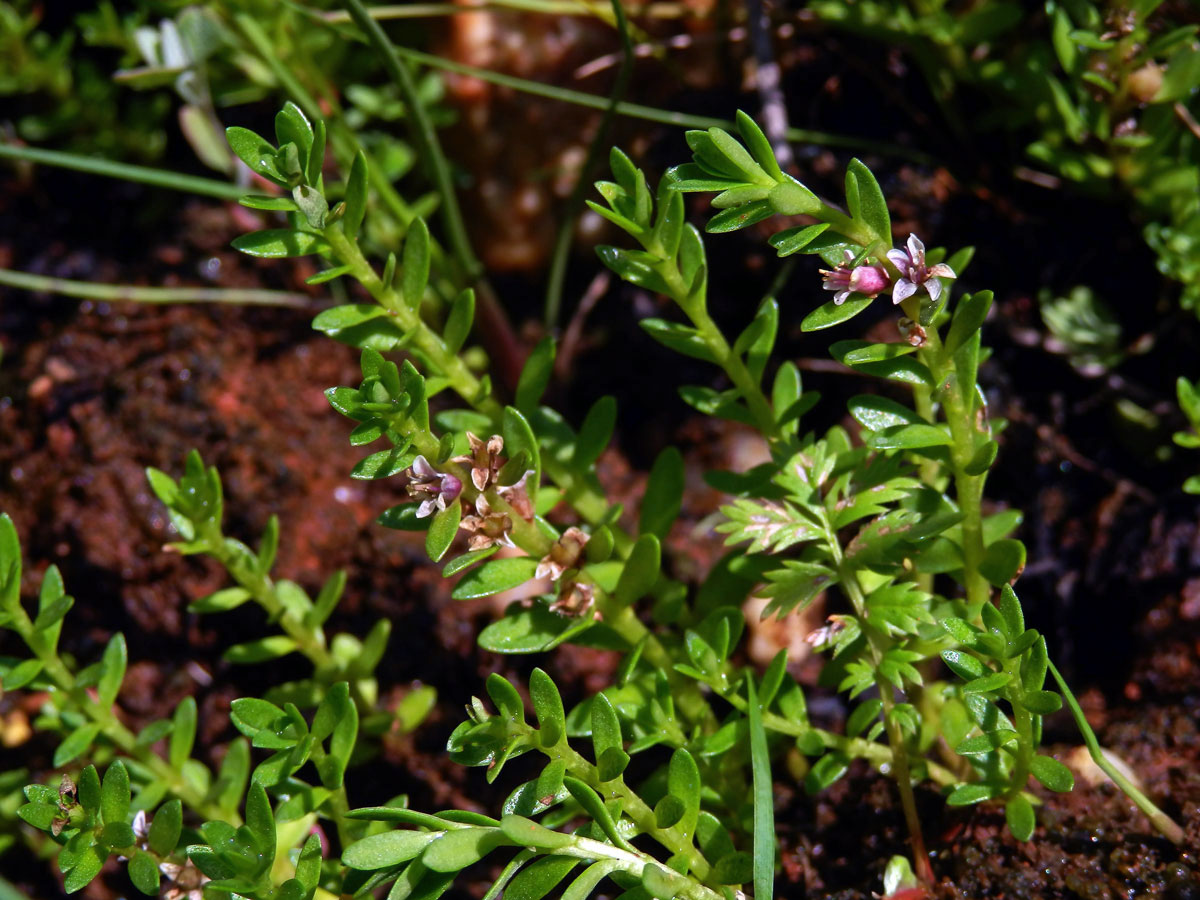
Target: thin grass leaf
(764, 806)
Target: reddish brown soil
(91, 394)
(99, 392)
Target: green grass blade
(764, 803)
(91, 290)
(9, 891)
(424, 136)
(566, 228)
(648, 113)
(190, 184)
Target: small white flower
(435, 489)
(915, 274)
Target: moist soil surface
(92, 393)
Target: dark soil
(90, 394)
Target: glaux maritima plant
(891, 525)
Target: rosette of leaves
(294, 165)
(752, 188)
(1084, 328)
(92, 819)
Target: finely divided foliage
(886, 523)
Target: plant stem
(1026, 748)
(1165, 825)
(928, 470)
(686, 694)
(876, 754)
(730, 362)
(877, 646)
(310, 642)
(337, 804)
(91, 290)
(588, 849)
(425, 341)
(112, 727)
(633, 806)
(968, 488)
(901, 770)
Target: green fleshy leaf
(381, 851)
(1052, 774)
(442, 530)
(495, 576)
(356, 196)
(872, 207)
(664, 494)
(280, 243)
(534, 629)
(831, 314)
(1018, 813)
(256, 152)
(143, 872)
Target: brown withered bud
(1144, 84)
(488, 527)
(484, 459)
(517, 496)
(564, 554)
(912, 332)
(185, 882)
(575, 599)
(66, 791)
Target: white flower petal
(840, 298)
(903, 290)
(425, 509)
(935, 289)
(422, 467)
(916, 249)
(900, 259)
(941, 270)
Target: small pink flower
(436, 490)
(870, 281)
(915, 274)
